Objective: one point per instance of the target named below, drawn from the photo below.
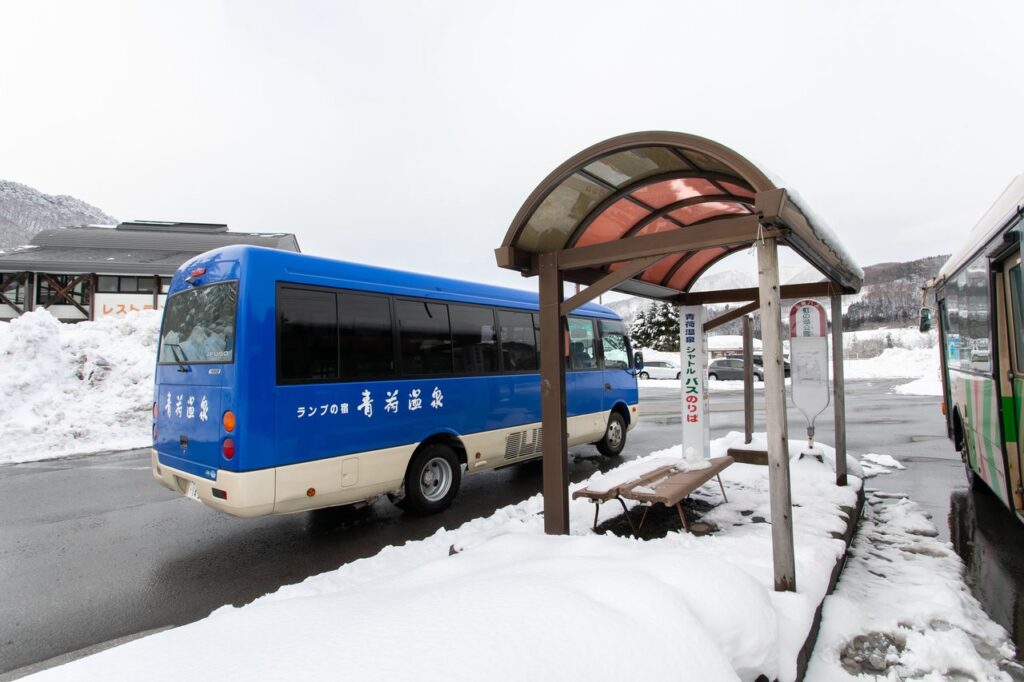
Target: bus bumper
(239, 494)
(634, 416)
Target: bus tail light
(942, 406)
(228, 448)
(154, 411)
(229, 421)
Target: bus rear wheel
(432, 480)
(614, 436)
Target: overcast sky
(408, 134)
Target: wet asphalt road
(92, 549)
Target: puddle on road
(991, 543)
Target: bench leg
(722, 487)
(643, 518)
(682, 516)
(625, 512)
(597, 508)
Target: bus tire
(614, 436)
(432, 480)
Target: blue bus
(287, 382)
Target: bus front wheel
(614, 436)
(432, 480)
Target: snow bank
(895, 363)
(902, 610)
(930, 385)
(75, 388)
(496, 599)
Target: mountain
(890, 295)
(25, 211)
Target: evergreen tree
(664, 324)
(641, 333)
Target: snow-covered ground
(496, 599)
(902, 610)
(69, 389)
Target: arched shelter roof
(675, 204)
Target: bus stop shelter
(647, 214)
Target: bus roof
(1009, 203)
(303, 268)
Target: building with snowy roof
(81, 273)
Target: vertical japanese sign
(693, 375)
(808, 349)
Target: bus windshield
(199, 325)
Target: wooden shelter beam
(607, 282)
(775, 420)
(809, 290)
(725, 318)
(720, 232)
(839, 388)
(554, 440)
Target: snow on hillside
(69, 389)
(25, 211)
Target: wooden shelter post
(552, 396)
(839, 388)
(775, 420)
(748, 380)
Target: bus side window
(474, 345)
(614, 344)
(582, 344)
(307, 335)
(518, 341)
(366, 336)
(424, 337)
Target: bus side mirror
(926, 320)
(638, 361)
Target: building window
(15, 291)
(108, 284)
(47, 295)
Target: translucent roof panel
(643, 185)
(627, 167)
(695, 213)
(612, 223)
(563, 209)
(662, 194)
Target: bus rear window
(199, 325)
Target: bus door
(1010, 345)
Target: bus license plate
(192, 492)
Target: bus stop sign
(808, 355)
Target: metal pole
(775, 420)
(748, 380)
(839, 388)
(552, 397)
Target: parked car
(759, 362)
(659, 369)
(731, 368)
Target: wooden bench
(667, 485)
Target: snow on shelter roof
(650, 183)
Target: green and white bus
(981, 327)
